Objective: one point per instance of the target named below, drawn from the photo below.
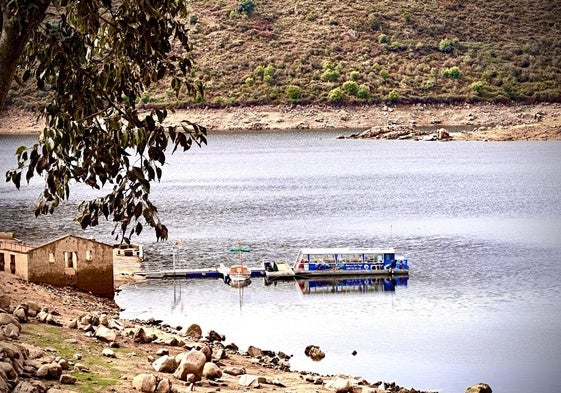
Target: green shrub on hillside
(393, 95)
(245, 7)
(383, 39)
(266, 73)
(293, 92)
(447, 46)
(477, 87)
(452, 73)
(330, 72)
(363, 92)
(336, 95)
(350, 87)
(354, 75)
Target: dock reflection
(351, 285)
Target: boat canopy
(338, 255)
(346, 250)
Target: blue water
(479, 222)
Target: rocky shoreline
(60, 340)
(484, 121)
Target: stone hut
(70, 260)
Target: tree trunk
(16, 29)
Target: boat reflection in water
(354, 285)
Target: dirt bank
(475, 122)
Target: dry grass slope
(360, 51)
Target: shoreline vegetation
(62, 340)
(488, 122)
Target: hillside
(395, 50)
(359, 51)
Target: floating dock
(193, 273)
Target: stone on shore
(164, 386)
(253, 381)
(145, 383)
(6, 319)
(479, 388)
(105, 334)
(254, 352)
(49, 371)
(67, 379)
(211, 371)
(108, 352)
(194, 331)
(21, 313)
(314, 352)
(235, 371)
(165, 364)
(339, 385)
(30, 387)
(192, 363)
(5, 301)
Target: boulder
(108, 352)
(8, 370)
(339, 385)
(165, 364)
(172, 342)
(11, 330)
(32, 308)
(214, 336)
(479, 388)
(6, 319)
(42, 315)
(253, 381)
(145, 383)
(72, 324)
(49, 371)
(105, 334)
(314, 352)
(4, 384)
(115, 324)
(164, 386)
(219, 354)
(140, 337)
(194, 331)
(207, 350)
(5, 301)
(67, 379)
(234, 370)
(30, 387)
(21, 313)
(211, 371)
(192, 363)
(254, 351)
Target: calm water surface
(479, 222)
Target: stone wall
(13, 259)
(82, 263)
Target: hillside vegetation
(359, 51)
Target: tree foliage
(96, 58)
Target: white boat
(236, 275)
(343, 261)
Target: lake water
(479, 222)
